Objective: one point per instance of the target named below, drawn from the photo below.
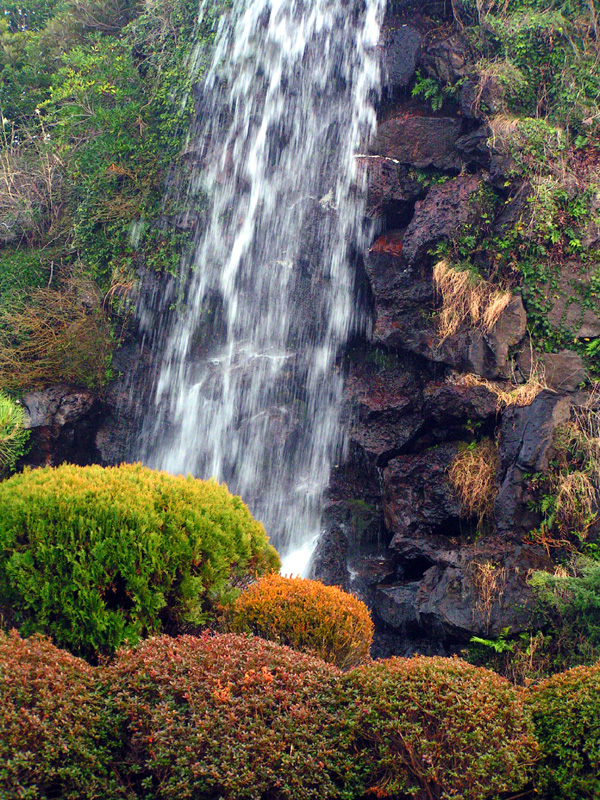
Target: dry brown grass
(57, 337)
(489, 581)
(508, 394)
(466, 301)
(576, 503)
(472, 474)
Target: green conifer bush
(94, 557)
(57, 731)
(566, 715)
(308, 616)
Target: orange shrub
(308, 616)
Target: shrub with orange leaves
(308, 616)
(56, 729)
(230, 717)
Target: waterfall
(249, 388)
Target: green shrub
(566, 715)
(229, 717)
(13, 436)
(94, 556)
(436, 728)
(56, 731)
(308, 616)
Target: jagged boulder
(443, 212)
(400, 47)
(387, 409)
(421, 141)
(525, 440)
(451, 592)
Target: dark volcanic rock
(330, 560)
(445, 209)
(417, 497)
(450, 402)
(420, 141)
(508, 331)
(400, 48)
(403, 297)
(387, 414)
(563, 371)
(464, 590)
(63, 423)
(473, 148)
(446, 59)
(481, 98)
(525, 440)
(390, 186)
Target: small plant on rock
(467, 300)
(472, 473)
(13, 436)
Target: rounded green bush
(57, 732)
(308, 616)
(229, 717)
(98, 556)
(566, 714)
(436, 728)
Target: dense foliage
(56, 728)
(238, 717)
(566, 714)
(307, 616)
(94, 97)
(94, 556)
(437, 728)
(231, 717)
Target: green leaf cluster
(95, 557)
(13, 435)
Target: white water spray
(248, 390)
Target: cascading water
(248, 390)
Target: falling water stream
(249, 389)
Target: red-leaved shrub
(436, 729)
(56, 733)
(230, 717)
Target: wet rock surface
(420, 141)
(63, 422)
(396, 533)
